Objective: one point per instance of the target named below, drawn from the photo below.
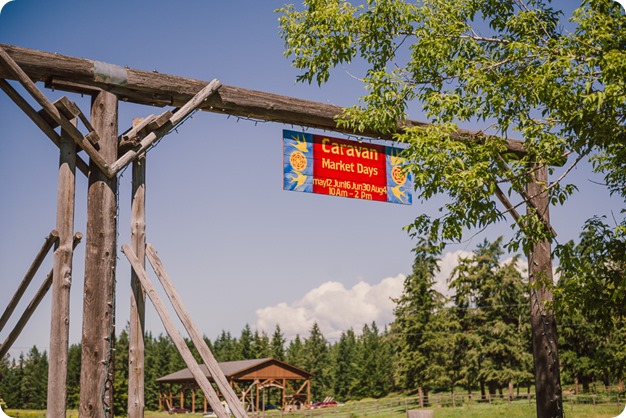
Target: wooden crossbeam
(144, 87)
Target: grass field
(356, 409)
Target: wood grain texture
(78, 75)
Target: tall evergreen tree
(374, 358)
(415, 327)
(277, 345)
(120, 384)
(295, 352)
(225, 347)
(492, 301)
(345, 377)
(316, 361)
(261, 345)
(73, 375)
(34, 383)
(11, 373)
(245, 344)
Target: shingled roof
(244, 370)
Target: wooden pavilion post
(96, 397)
(548, 390)
(62, 280)
(136, 385)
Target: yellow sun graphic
(298, 161)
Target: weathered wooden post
(548, 390)
(136, 402)
(62, 280)
(96, 384)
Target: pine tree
(73, 376)
(374, 358)
(295, 353)
(491, 301)
(120, 383)
(277, 345)
(316, 361)
(245, 344)
(261, 345)
(34, 383)
(415, 326)
(345, 378)
(225, 347)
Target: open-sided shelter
(251, 380)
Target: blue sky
(239, 249)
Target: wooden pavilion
(251, 380)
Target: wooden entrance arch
(92, 145)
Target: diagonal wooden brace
(176, 337)
(41, 121)
(55, 114)
(165, 127)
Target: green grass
(516, 410)
(504, 410)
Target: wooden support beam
(39, 120)
(164, 126)
(548, 391)
(98, 328)
(83, 75)
(178, 340)
(18, 74)
(62, 280)
(217, 374)
(32, 307)
(136, 353)
(50, 240)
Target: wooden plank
(50, 240)
(220, 380)
(161, 120)
(100, 264)
(31, 308)
(136, 352)
(174, 120)
(136, 129)
(178, 340)
(39, 120)
(543, 322)
(18, 74)
(162, 89)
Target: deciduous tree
(500, 67)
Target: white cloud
(337, 309)
(334, 308)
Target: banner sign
(339, 167)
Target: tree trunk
(543, 322)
